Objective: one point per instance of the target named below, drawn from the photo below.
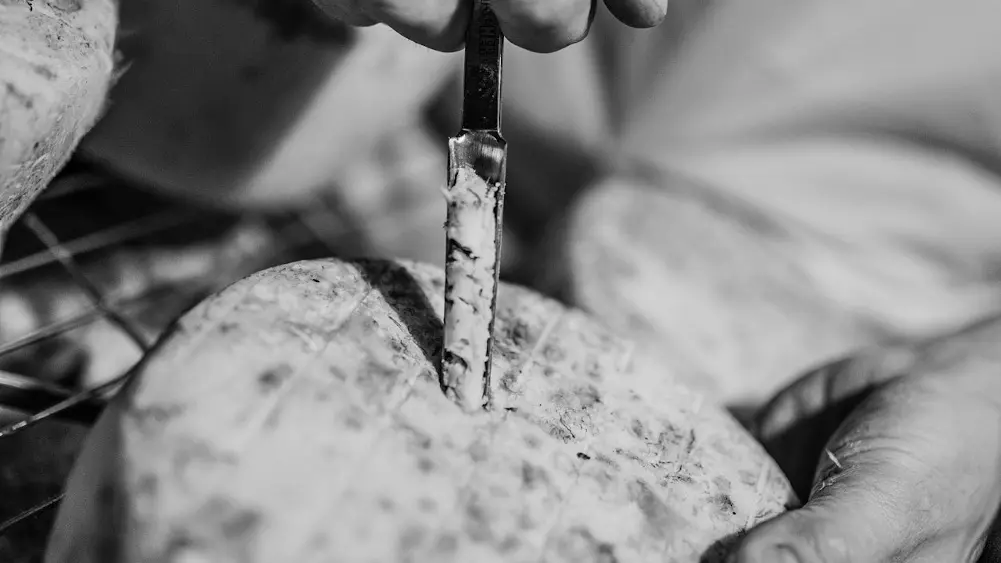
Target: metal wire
(65, 258)
(101, 239)
(84, 406)
(44, 401)
(47, 504)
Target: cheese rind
(56, 66)
(471, 286)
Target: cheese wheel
(55, 69)
(270, 102)
(707, 282)
(298, 416)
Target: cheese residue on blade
(470, 286)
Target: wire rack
(83, 272)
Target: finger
(544, 26)
(821, 389)
(797, 423)
(638, 13)
(343, 11)
(795, 426)
(436, 24)
(908, 479)
(848, 530)
(802, 418)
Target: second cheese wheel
(55, 69)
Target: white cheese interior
(471, 278)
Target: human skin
(898, 450)
(539, 26)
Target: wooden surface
(55, 68)
(297, 416)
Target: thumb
(846, 521)
(905, 478)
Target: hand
(908, 439)
(542, 26)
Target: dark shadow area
(992, 550)
(799, 448)
(549, 271)
(406, 297)
(297, 19)
(112, 202)
(718, 551)
(744, 413)
(29, 395)
(36, 463)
